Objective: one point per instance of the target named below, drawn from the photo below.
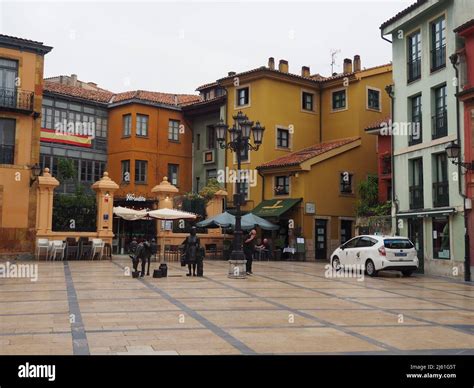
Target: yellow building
(315, 151)
(21, 89)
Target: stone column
(105, 189)
(165, 192)
(44, 202)
(214, 207)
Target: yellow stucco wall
(17, 199)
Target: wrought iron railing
(438, 58)
(440, 124)
(414, 69)
(416, 197)
(441, 194)
(7, 154)
(16, 99)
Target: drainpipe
(467, 246)
(263, 185)
(391, 93)
(320, 114)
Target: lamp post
(453, 151)
(35, 173)
(239, 135)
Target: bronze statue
(192, 252)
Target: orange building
(21, 94)
(148, 140)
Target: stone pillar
(44, 202)
(165, 192)
(214, 207)
(105, 189)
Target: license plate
(400, 254)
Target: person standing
(249, 250)
(192, 248)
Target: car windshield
(398, 243)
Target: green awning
(275, 207)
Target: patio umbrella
(250, 221)
(226, 220)
(171, 214)
(129, 214)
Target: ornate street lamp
(239, 141)
(35, 173)
(453, 151)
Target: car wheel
(370, 268)
(336, 263)
(407, 273)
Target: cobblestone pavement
(284, 308)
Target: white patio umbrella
(129, 214)
(171, 214)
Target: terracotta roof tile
(377, 124)
(156, 97)
(402, 13)
(464, 26)
(78, 92)
(295, 158)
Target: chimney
(73, 79)
(357, 63)
(347, 66)
(231, 73)
(271, 63)
(305, 72)
(283, 66)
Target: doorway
(321, 249)
(415, 234)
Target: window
(283, 138)
(307, 101)
(173, 173)
(8, 78)
(87, 171)
(245, 154)
(282, 185)
(366, 242)
(438, 44)
(414, 56)
(373, 99)
(346, 182)
(127, 125)
(198, 141)
(243, 96)
(346, 230)
(440, 180)
(440, 119)
(126, 171)
(339, 99)
(415, 134)
(7, 141)
(399, 243)
(351, 243)
(142, 125)
(211, 137)
(441, 243)
(141, 171)
(173, 130)
(416, 183)
(211, 174)
(244, 188)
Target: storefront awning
(275, 207)
(445, 211)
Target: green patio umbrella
(227, 220)
(250, 221)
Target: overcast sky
(175, 46)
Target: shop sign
(133, 197)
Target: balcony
(16, 100)
(440, 194)
(440, 124)
(438, 58)
(414, 70)
(7, 154)
(416, 197)
(416, 134)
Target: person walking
(249, 250)
(192, 249)
(143, 254)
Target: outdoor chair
(42, 244)
(57, 247)
(97, 248)
(85, 248)
(71, 248)
(213, 251)
(171, 253)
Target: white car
(377, 253)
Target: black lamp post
(239, 135)
(453, 151)
(35, 173)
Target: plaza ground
(80, 307)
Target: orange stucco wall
(155, 148)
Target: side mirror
(342, 247)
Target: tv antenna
(334, 52)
